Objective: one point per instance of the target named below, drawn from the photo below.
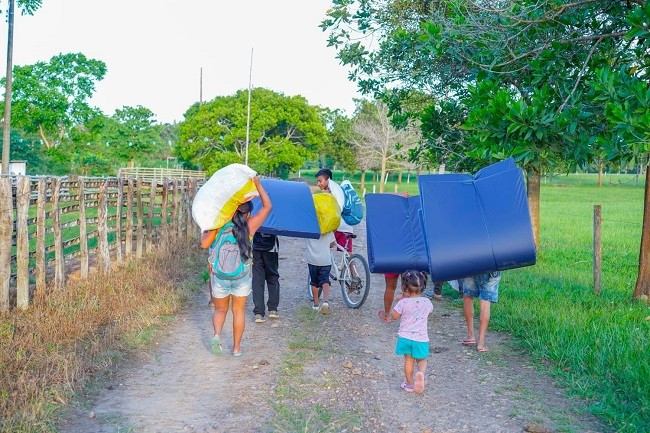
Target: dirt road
(306, 372)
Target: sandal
(216, 347)
(468, 342)
(382, 316)
(482, 349)
(406, 387)
(238, 354)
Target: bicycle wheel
(355, 281)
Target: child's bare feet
(418, 384)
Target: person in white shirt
(320, 263)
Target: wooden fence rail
(51, 227)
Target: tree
(50, 98)
(338, 148)
(377, 141)
(132, 134)
(27, 7)
(541, 58)
(284, 132)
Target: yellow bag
(216, 201)
(328, 212)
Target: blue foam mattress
(293, 213)
(394, 235)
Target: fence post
(152, 203)
(173, 229)
(129, 217)
(598, 250)
(6, 232)
(59, 260)
(163, 213)
(41, 202)
(139, 218)
(22, 242)
(118, 220)
(102, 229)
(83, 229)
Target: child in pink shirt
(413, 311)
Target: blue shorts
(224, 288)
(416, 349)
(319, 275)
(484, 286)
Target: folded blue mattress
(293, 213)
(476, 224)
(394, 234)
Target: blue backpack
(225, 255)
(352, 212)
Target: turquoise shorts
(416, 349)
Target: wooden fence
(51, 227)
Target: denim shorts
(484, 286)
(416, 349)
(319, 275)
(238, 287)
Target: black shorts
(319, 275)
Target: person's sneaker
(315, 307)
(324, 308)
(259, 318)
(217, 349)
(273, 315)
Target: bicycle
(352, 272)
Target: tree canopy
(284, 132)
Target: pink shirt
(413, 322)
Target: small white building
(16, 168)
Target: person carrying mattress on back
(231, 279)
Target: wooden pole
(39, 255)
(102, 229)
(598, 250)
(139, 219)
(83, 229)
(59, 260)
(129, 217)
(22, 243)
(152, 202)
(6, 232)
(118, 220)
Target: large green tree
(285, 131)
(522, 69)
(50, 98)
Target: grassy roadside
(53, 349)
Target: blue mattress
(476, 224)
(293, 213)
(394, 234)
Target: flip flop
(382, 316)
(406, 387)
(468, 342)
(418, 383)
(483, 349)
(238, 354)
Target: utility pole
(6, 133)
(248, 117)
(201, 86)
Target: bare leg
(483, 320)
(220, 312)
(389, 294)
(468, 310)
(326, 292)
(238, 321)
(408, 369)
(418, 383)
(314, 293)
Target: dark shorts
(319, 275)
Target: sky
(156, 51)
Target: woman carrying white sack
(230, 274)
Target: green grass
(595, 346)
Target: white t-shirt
(318, 250)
